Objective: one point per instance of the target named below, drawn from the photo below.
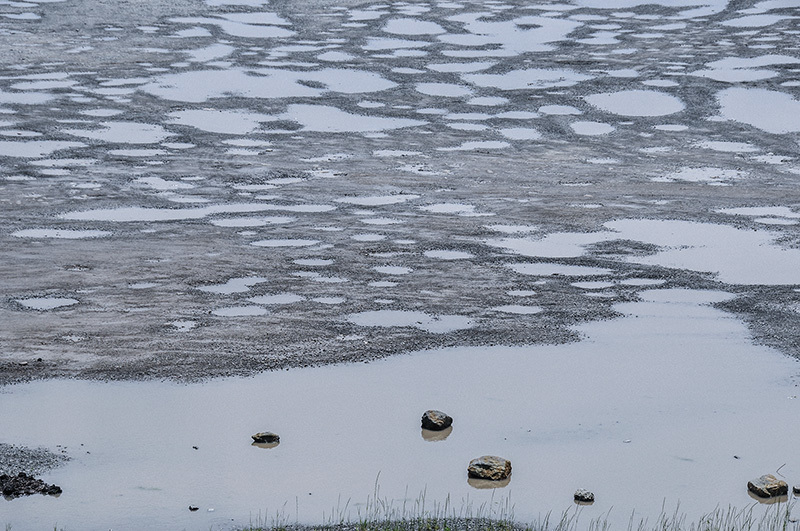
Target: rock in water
(489, 467)
(768, 486)
(584, 496)
(436, 420)
(25, 485)
(266, 437)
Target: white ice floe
(157, 183)
(728, 147)
(442, 254)
(560, 110)
(260, 221)
(412, 26)
(636, 103)
(326, 119)
(47, 303)
(285, 242)
(542, 269)
(62, 234)
(585, 128)
(472, 145)
(233, 285)
(133, 214)
(377, 200)
(266, 83)
(34, 148)
(520, 133)
(435, 324)
(124, 133)
(519, 309)
(445, 90)
(277, 299)
(393, 270)
(768, 110)
(530, 79)
(229, 122)
(704, 174)
(239, 311)
(239, 29)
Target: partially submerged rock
(24, 485)
(584, 496)
(489, 467)
(435, 420)
(266, 437)
(768, 486)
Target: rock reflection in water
(435, 436)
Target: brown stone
(768, 486)
(436, 420)
(489, 467)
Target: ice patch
(124, 133)
(530, 79)
(548, 270)
(702, 175)
(227, 122)
(435, 324)
(393, 270)
(65, 234)
(236, 28)
(131, 214)
(728, 147)
(288, 242)
(636, 103)
(448, 255)
(473, 145)
(252, 221)
(378, 200)
(279, 298)
(768, 110)
(203, 85)
(34, 149)
(239, 311)
(233, 285)
(559, 110)
(412, 26)
(47, 303)
(520, 133)
(325, 119)
(591, 128)
(518, 309)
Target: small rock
(796, 490)
(489, 467)
(584, 496)
(768, 486)
(436, 420)
(194, 508)
(266, 437)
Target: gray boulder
(583, 496)
(489, 467)
(768, 486)
(436, 420)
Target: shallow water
(659, 401)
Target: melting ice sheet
(676, 378)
